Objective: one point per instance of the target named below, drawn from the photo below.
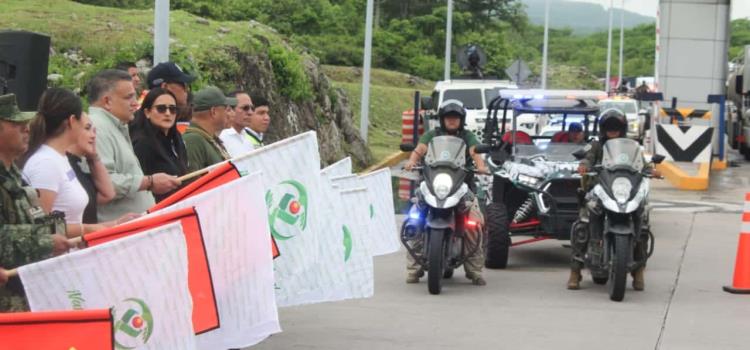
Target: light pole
(161, 31)
(609, 48)
(622, 41)
(448, 41)
(365, 105)
(546, 42)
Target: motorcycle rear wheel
(436, 260)
(618, 270)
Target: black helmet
(612, 120)
(452, 107)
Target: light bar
(537, 94)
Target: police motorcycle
(436, 226)
(620, 200)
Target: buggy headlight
(442, 185)
(621, 188)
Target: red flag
(80, 330)
(205, 311)
(218, 176)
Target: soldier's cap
(167, 72)
(232, 101)
(209, 97)
(9, 110)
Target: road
(527, 306)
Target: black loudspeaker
(24, 57)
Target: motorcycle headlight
(621, 188)
(634, 126)
(442, 185)
(528, 180)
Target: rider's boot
(638, 279)
(414, 276)
(574, 281)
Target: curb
(682, 180)
(389, 161)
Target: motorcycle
(435, 228)
(618, 216)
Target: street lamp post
(448, 41)
(609, 48)
(546, 42)
(365, 105)
(622, 41)
(161, 31)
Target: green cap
(232, 101)
(209, 97)
(9, 110)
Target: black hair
(259, 101)
(152, 95)
(104, 81)
(125, 65)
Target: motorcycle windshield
(622, 152)
(446, 150)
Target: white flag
(345, 182)
(234, 221)
(342, 167)
(357, 257)
(382, 218)
(309, 266)
(142, 277)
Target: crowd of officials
(67, 172)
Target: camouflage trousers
(11, 302)
(473, 243)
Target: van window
(471, 98)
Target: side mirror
(579, 154)
(427, 102)
(407, 147)
(657, 158)
(643, 112)
(482, 148)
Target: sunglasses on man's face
(164, 108)
(247, 108)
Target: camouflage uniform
(25, 230)
(592, 213)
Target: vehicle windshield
(471, 98)
(449, 149)
(558, 152)
(622, 152)
(625, 107)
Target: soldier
(27, 234)
(612, 125)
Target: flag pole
(14, 272)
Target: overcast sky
(740, 8)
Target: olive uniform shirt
(25, 234)
(203, 150)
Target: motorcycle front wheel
(618, 269)
(435, 261)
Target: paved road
(527, 307)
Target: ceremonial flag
(357, 257)
(205, 311)
(342, 167)
(310, 266)
(65, 330)
(382, 218)
(221, 174)
(234, 220)
(144, 278)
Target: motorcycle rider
(452, 115)
(612, 124)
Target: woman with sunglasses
(156, 141)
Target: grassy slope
(108, 35)
(390, 95)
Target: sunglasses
(247, 108)
(164, 108)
